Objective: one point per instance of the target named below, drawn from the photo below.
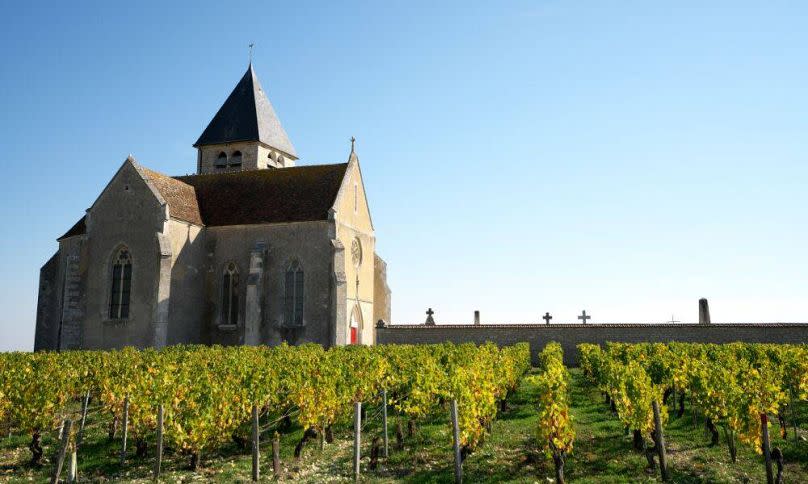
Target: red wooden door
(353, 335)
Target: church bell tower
(245, 134)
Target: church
(252, 249)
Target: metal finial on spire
(353, 142)
(251, 50)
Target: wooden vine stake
(84, 404)
(659, 436)
(67, 426)
(276, 455)
(384, 422)
(159, 457)
(125, 429)
(767, 454)
(255, 444)
(458, 463)
(72, 468)
(357, 437)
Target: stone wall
(354, 230)
(570, 335)
(254, 156)
(127, 214)
(306, 242)
(48, 305)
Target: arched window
(235, 160)
(221, 160)
(281, 160)
(230, 295)
(121, 285)
(294, 295)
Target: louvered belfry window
(221, 160)
(293, 313)
(230, 295)
(121, 285)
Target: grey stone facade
(570, 335)
(259, 218)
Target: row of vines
(208, 393)
(735, 387)
(555, 433)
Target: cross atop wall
(429, 320)
(583, 317)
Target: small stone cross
(583, 317)
(429, 320)
(547, 318)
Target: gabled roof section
(180, 197)
(79, 228)
(295, 194)
(253, 197)
(247, 115)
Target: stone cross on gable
(429, 320)
(583, 317)
(547, 317)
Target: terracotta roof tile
(181, 197)
(296, 194)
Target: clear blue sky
(520, 157)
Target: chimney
(704, 311)
(476, 318)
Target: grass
(602, 453)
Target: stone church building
(252, 249)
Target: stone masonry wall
(570, 335)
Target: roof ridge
(262, 171)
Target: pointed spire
(247, 115)
(353, 156)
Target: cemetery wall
(570, 335)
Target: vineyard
(211, 411)
(198, 398)
(736, 387)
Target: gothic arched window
(293, 313)
(235, 159)
(121, 285)
(221, 160)
(230, 295)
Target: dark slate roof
(296, 194)
(79, 228)
(247, 115)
